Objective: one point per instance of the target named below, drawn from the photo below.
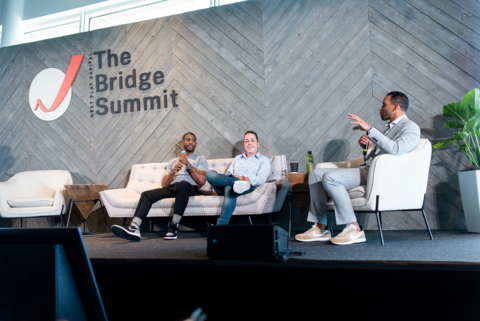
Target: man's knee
(316, 175)
(147, 195)
(330, 178)
(210, 174)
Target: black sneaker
(129, 233)
(172, 231)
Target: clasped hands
(182, 160)
(364, 142)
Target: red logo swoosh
(67, 82)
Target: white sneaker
(311, 235)
(349, 235)
(240, 187)
(130, 233)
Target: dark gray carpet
(447, 246)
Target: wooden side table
(300, 189)
(85, 196)
(301, 192)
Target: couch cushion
(30, 201)
(218, 165)
(145, 177)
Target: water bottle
(309, 161)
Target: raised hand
(361, 124)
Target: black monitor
(45, 274)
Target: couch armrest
(283, 186)
(61, 193)
(4, 195)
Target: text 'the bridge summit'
(145, 81)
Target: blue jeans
(223, 185)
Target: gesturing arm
(407, 140)
(198, 174)
(171, 170)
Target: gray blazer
(403, 138)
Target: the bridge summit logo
(51, 92)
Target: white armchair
(34, 194)
(394, 183)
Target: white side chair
(34, 194)
(395, 183)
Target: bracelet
(368, 131)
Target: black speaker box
(260, 241)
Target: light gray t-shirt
(197, 161)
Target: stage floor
(447, 246)
(411, 277)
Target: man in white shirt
(245, 173)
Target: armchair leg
(250, 220)
(21, 222)
(425, 217)
(104, 218)
(61, 217)
(379, 221)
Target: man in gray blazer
(402, 136)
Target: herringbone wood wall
(289, 69)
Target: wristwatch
(189, 166)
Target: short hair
(250, 132)
(189, 133)
(399, 98)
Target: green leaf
(468, 133)
(454, 124)
(460, 111)
(472, 98)
(443, 143)
(458, 136)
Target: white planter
(470, 190)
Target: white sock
(176, 218)
(136, 222)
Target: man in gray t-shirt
(184, 175)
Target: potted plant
(467, 139)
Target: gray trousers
(334, 182)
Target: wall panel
(289, 69)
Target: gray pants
(334, 182)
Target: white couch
(122, 202)
(34, 194)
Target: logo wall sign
(133, 80)
(50, 92)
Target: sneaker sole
(125, 235)
(315, 240)
(170, 238)
(350, 242)
(241, 190)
